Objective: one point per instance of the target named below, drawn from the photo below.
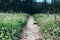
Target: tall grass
(49, 29)
(11, 25)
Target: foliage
(11, 25)
(28, 6)
(49, 29)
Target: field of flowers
(11, 25)
(48, 26)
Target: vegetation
(11, 25)
(48, 26)
(28, 6)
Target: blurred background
(30, 6)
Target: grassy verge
(49, 29)
(11, 25)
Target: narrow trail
(31, 31)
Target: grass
(11, 25)
(48, 27)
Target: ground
(31, 31)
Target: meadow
(11, 25)
(49, 27)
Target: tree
(45, 5)
(28, 6)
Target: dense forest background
(29, 6)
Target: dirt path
(31, 31)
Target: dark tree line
(29, 6)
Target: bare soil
(31, 31)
